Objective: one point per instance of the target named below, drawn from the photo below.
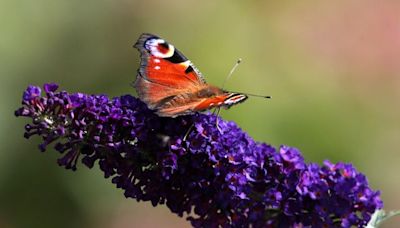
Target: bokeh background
(332, 68)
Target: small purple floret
(216, 177)
(50, 87)
(31, 93)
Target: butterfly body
(171, 85)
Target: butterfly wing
(164, 72)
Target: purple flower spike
(216, 178)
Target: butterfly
(171, 85)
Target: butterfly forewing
(163, 64)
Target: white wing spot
(156, 60)
(157, 67)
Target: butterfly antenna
(253, 95)
(230, 75)
(231, 72)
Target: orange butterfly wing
(164, 72)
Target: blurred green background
(332, 68)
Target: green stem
(380, 216)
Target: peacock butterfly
(171, 85)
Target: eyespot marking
(163, 47)
(159, 48)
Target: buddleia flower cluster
(213, 176)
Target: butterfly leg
(217, 110)
(188, 132)
(214, 111)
